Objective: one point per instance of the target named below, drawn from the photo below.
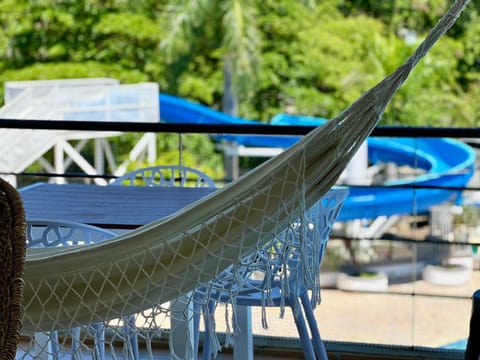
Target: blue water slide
(175, 110)
(447, 164)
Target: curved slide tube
(448, 164)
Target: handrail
(257, 129)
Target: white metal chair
(290, 255)
(47, 233)
(167, 176)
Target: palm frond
(241, 41)
(185, 16)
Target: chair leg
(76, 344)
(312, 323)
(46, 345)
(131, 336)
(55, 344)
(303, 332)
(243, 341)
(181, 340)
(197, 313)
(99, 341)
(208, 315)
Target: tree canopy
(314, 57)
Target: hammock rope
(158, 262)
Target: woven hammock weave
(12, 262)
(72, 286)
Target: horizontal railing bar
(416, 294)
(154, 127)
(68, 175)
(399, 239)
(257, 129)
(413, 186)
(371, 351)
(377, 186)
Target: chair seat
(254, 297)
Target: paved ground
(379, 318)
(383, 318)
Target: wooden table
(114, 206)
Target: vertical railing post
(473, 344)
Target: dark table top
(121, 207)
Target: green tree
(417, 15)
(224, 30)
(57, 39)
(314, 60)
(58, 31)
(316, 56)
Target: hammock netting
(133, 281)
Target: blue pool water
(458, 345)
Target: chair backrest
(48, 233)
(12, 263)
(298, 251)
(294, 255)
(167, 176)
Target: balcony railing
(393, 283)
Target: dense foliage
(315, 58)
(310, 57)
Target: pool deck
(393, 318)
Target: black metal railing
(410, 132)
(256, 129)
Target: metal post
(59, 162)
(232, 166)
(99, 161)
(473, 344)
(243, 339)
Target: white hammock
(70, 286)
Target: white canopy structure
(89, 99)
